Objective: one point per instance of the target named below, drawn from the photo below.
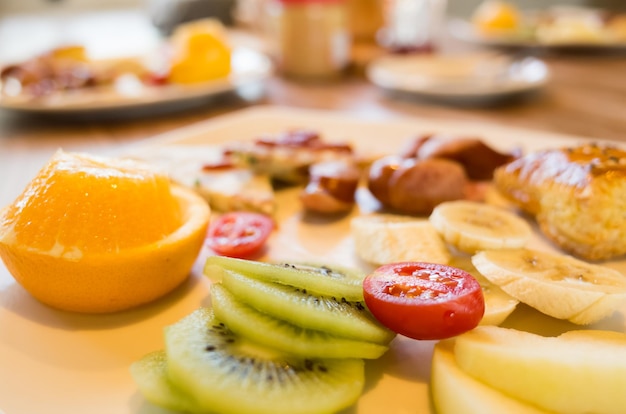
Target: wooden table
(586, 97)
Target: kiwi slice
(302, 308)
(225, 373)
(149, 373)
(284, 336)
(337, 281)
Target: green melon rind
(284, 336)
(149, 373)
(349, 285)
(297, 385)
(297, 306)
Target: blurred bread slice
(382, 239)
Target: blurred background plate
(57, 362)
(250, 68)
(463, 29)
(472, 78)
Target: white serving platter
(62, 363)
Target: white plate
(249, 66)
(61, 363)
(464, 30)
(459, 78)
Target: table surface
(586, 96)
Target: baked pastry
(578, 196)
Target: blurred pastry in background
(571, 25)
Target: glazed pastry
(578, 196)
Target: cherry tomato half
(239, 234)
(424, 300)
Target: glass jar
(366, 19)
(413, 25)
(309, 38)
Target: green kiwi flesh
(336, 281)
(227, 374)
(298, 306)
(149, 373)
(284, 336)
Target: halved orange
(92, 234)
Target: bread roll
(578, 196)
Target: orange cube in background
(495, 16)
(200, 52)
(73, 52)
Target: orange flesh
(73, 190)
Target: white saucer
(452, 78)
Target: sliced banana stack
(382, 239)
(555, 284)
(472, 226)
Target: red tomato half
(424, 300)
(239, 234)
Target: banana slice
(498, 304)
(471, 226)
(382, 239)
(558, 285)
